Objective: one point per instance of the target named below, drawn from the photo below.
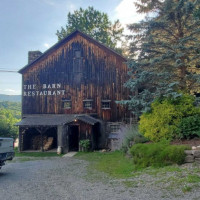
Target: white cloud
(46, 45)
(72, 7)
(126, 12)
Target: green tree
(166, 49)
(94, 23)
(13, 107)
(7, 121)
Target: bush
(132, 136)
(190, 127)
(85, 145)
(168, 119)
(157, 154)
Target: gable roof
(55, 119)
(64, 40)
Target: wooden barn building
(69, 93)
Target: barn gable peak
(38, 55)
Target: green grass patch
(35, 154)
(114, 164)
(172, 178)
(193, 178)
(186, 188)
(157, 154)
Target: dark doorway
(73, 138)
(95, 136)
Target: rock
(189, 159)
(193, 147)
(197, 160)
(59, 150)
(189, 152)
(103, 150)
(197, 154)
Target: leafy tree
(170, 119)
(166, 49)
(13, 107)
(7, 121)
(94, 23)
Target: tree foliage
(13, 107)
(7, 121)
(171, 119)
(166, 49)
(94, 23)
(10, 113)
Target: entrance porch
(50, 132)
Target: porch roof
(55, 120)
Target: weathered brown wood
(98, 74)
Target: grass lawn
(117, 166)
(112, 163)
(35, 154)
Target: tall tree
(166, 49)
(94, 23)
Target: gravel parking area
(68, 179)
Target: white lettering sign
(54, 89)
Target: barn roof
(55, 120)
(67, 38)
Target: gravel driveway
(68, 178)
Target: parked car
(6, 150)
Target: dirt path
(68, 178)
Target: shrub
(161, 123)
(132, 136)
(190, 127)
(85, 144)
(168, 119)
(157, 154)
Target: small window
(114, 128)
(77, 54)
(87, 104)
(66, 104)
(105, 104)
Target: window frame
(66, 101)
(104, 102)
(85, 101)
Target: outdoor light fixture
(75, 120)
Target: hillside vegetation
(10, 113)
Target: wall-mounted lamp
(75, 120)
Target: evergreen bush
(190, 127)
(157, 154)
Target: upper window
(105, 104)
(66, 104)
(87, 103)
(77, 54)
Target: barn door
(73, 138)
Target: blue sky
(31, 25)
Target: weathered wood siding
(98, 74)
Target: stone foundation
(192, 156)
